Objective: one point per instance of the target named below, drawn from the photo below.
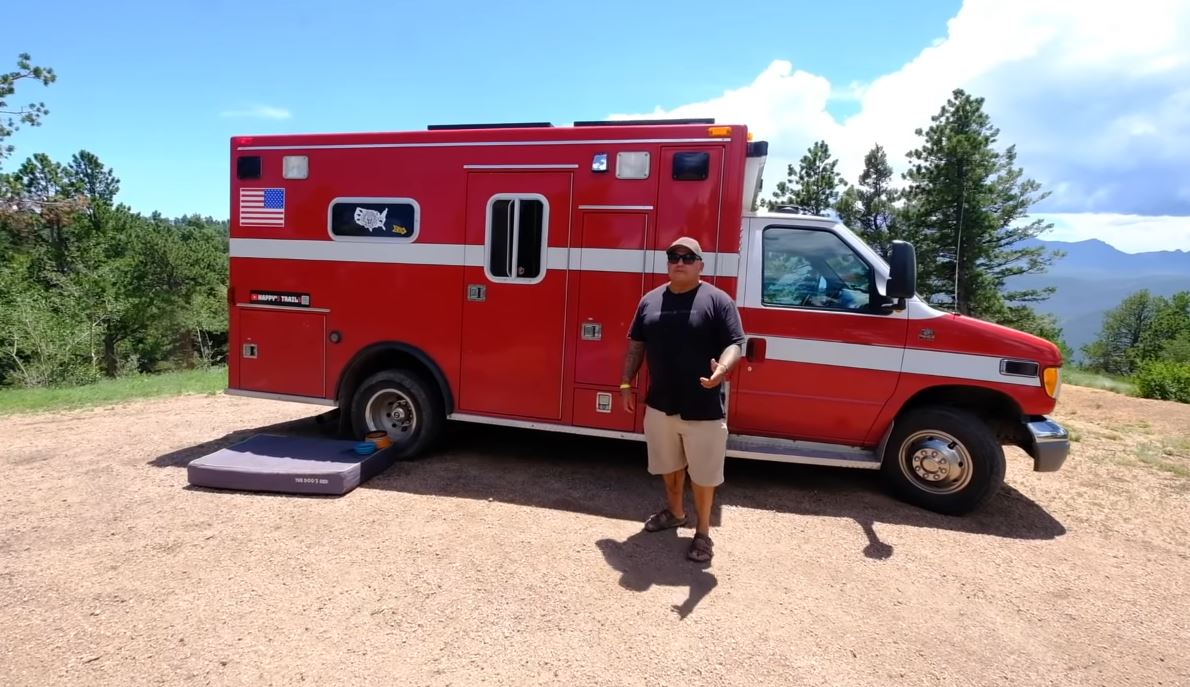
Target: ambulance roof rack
(639, 122)
(494, 125)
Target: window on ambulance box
(808, 268)
(380, 219)
(516, 238)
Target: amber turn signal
(1053, 381)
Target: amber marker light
(1052, 377)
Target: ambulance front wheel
(943, 459)
(402, 404)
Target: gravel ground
(518, 558)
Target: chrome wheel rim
(391, 411)
(936, 462)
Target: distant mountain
(1093, 277)
(1093, 257)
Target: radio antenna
(958, 248)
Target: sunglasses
(688, 258)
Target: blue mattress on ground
(297, 465)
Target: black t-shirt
(682, 332)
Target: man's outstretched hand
(718, 372)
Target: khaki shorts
(698, 445)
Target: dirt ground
(518, 558)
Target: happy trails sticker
(296, 300)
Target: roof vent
(494, 125)
(643, 122)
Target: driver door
(823, 360)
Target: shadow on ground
(607, 478)
(181, 458)
(648, 559)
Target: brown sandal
(663, 519)
(701, 549)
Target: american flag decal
(262, 207)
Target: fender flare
(356, 369)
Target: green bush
(1165, 380)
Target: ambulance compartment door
(518, 236)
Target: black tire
(378, 400)
(944, 460)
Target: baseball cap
(688, 243)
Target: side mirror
(902, 277)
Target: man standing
(690, 333)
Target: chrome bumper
(1050, 444)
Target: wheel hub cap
(391, 411)
(936, 462)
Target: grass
(1098, 380)
(1137, 444)
(1164, 457)
(1170, 455)
(110, 391)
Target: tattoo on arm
(632, 359)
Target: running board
(738, 445)
(803, 452)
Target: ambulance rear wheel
(402, 404)
(943, 459)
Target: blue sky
(157, 89)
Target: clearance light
(719, 131)
(1053, 381)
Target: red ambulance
(489, 273)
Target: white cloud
(1094, 95)
(258, 112)
(784, 106)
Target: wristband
(625, 385)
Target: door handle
(755, 350)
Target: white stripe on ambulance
(817, 352)
(455, 254)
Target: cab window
(809, 268)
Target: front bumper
(1050, 444)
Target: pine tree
(869, 208)
(814, 186)
(12, 116)
(963, 203)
